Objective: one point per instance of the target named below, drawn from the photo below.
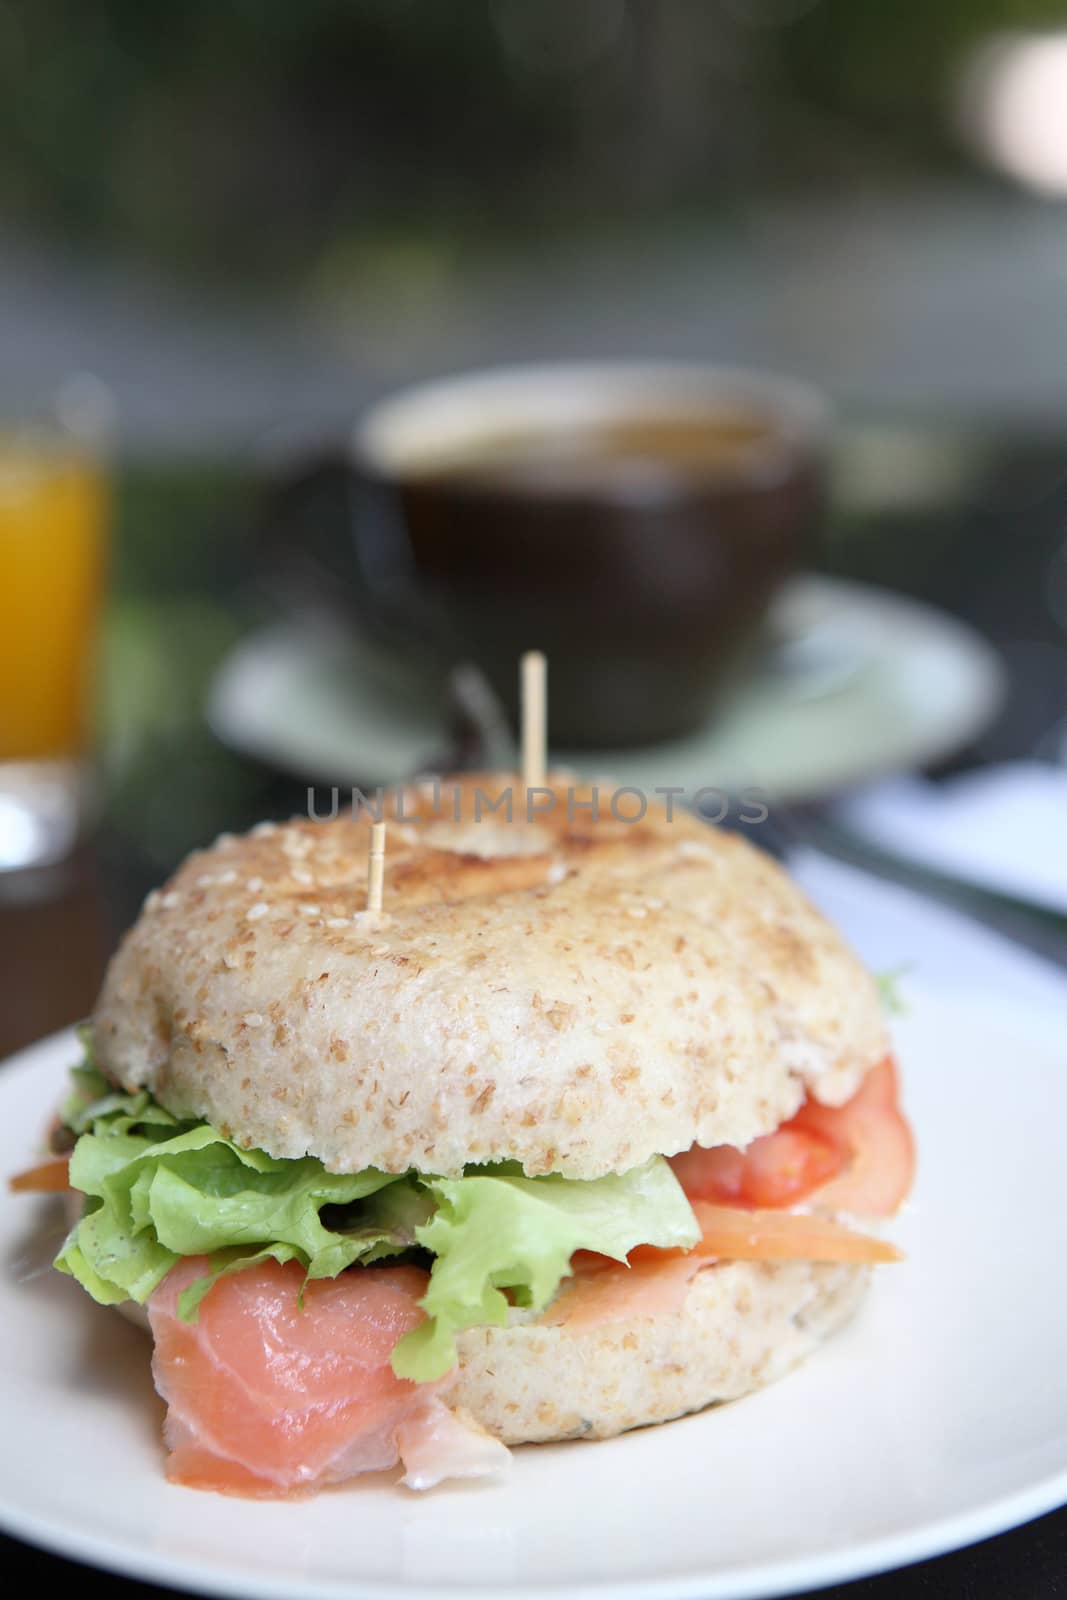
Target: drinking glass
(54, 514)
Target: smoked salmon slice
(732, 1234)
(654, 1282)
(612, 1292)
(269, 1398)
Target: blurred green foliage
(181, 595)
(267, 140)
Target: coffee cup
(633, 521)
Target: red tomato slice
(877, 1141)
(715, 1174)
(783, 1167)
(857, 1157)
(777, 1170)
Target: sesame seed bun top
(569, 993)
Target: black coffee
(635, 537)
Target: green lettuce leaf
(890, 991)
(158, 1188)
(498, 1230)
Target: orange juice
(53, 513)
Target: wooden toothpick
(534, 669)
(376, 866)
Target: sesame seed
(262, 829)
(169, 900)
(229, 959)
(229, 876)
(557, 872)
(636, 911)
(252, 1019)
(654, 905)
(380, 950)
(225, 839)
(151, 900)
(311, 911)
(254, 913)
(337, 922)
(301, 875)
(255, 884)
(205, 880)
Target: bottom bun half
(742, 1325)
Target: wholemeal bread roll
(572, 994)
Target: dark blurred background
(249, 214)
(249, 218)
(309, 147)
(276, 145)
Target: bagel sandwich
(591, 1126)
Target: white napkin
(944, 950)
(1003, 827)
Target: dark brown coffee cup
(631, 521)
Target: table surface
(974, 522)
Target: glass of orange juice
(54, 513)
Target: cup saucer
(858, 683)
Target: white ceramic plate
(938, 1418)
(864, 683)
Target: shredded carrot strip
(47, 1177)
